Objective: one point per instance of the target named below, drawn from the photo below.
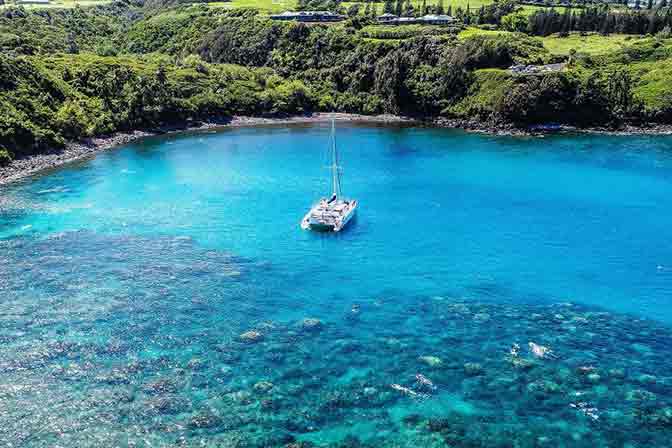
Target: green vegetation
(5, 156)
(402, 32)
(474, 31)
(60, 4)
(418, 4)
(528, 10)
(78, 72)
(267, 6)
(64, 30)
(45, 100)
(486, 94)
(592, 43)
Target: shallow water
(127, 280)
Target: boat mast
(335, 169)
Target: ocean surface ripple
(493, 292)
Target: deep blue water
(127, 280)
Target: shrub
(82, 118)
(665, 33)
(5, 156)
(516, 22)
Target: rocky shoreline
(76, 151)
(508, 129)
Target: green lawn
(530, 9)
(271, 6)
(473, 31)
(592, 43)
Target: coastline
(77, 151)
(508, 129)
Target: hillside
(72, 73)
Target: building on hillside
(536, 69)
(406, 20)
(309, 16)
(644, 4)
(438, 19)
(552, 3)
(386, 17)
(429, 19)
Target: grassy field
(473, 31)
(275, 6)
(473, 4)
(401, 32)
(63, 4)
(530, 9)
(271, 6)
(592, 43)
(263, 5)
(654, 87)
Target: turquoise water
(126, 283)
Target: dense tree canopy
(73, 73)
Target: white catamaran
(333, 213)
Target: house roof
(437, 17)
(299, 14)
(306, 13)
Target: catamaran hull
(306, 223)
(318, 227)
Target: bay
(128, 279)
